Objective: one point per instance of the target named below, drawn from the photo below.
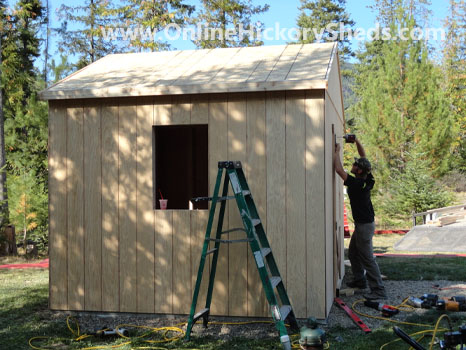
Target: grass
(24, 314)
(384, 243)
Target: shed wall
(111, 251)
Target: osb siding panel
(334, 239)
(75, 208)
(145, 214)
(127, 207)
(92, 208)
(295, 201)
(149, 257)
(315, 206)
(256, 173)
(238, 272)
(181, 261)
(334, 88)
(199, 220)
(58, 239)
(110, 227)
(276, 178)
(218, 150)
(163, 261)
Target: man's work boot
(360, 284)
(376, 294)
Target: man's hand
(337, 148)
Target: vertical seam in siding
(101, 211)
(136, 216)
(246, 98)
(286, 199)
(305, 201)
(48, 203)
(66, 205)
(227, 207)
(266, 175)
(118, 206)
(325, 202)
(83, 205)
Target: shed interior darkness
(181, 165)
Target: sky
(284, 13)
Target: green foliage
(28, 201)
(400, 109)
(26, 138)
(316, 15)
(228, 14)
(455, 69)
(86, 42)
(25, 123)
(148, 17)
(414, 190)
(60, 70)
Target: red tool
(387, 310)
(353, 316)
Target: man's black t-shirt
(359, 192)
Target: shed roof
(262, 68)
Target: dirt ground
(397, 291)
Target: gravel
(397, 291)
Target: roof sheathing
(266, 68)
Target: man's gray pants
(362, 258)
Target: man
(363, 264)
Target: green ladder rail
(280, 306)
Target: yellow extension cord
(77, 336)
(404, 307)
(179, 333)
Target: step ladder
(280, 306)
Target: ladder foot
(285, 340)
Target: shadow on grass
(21, 318)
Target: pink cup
(163, 204)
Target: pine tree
(29, 206)
(219, 16)
(400, 108)
(86, 41)
(317, 15)
(46, 52)
(146, 18)
(414, 190)
(387, 11)
(60, 70)
(5, 26)
(455, 69)
(25, 118)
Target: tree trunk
(47, 40)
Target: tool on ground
(111, 332)
(349, 138)
(274, 287)
(353, 316)
(426, 301)
(456, 303)
(387, 310)
(311, 336)
(399, 332)
(453, 339)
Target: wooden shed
(132, 127)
